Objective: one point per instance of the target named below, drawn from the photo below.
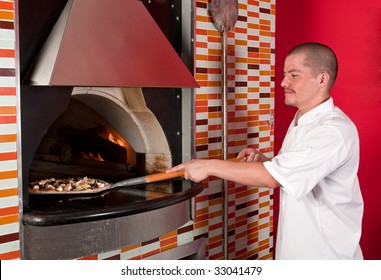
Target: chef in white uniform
(321, 206)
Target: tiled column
(251, 62)
(9, 208)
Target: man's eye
(294, 75)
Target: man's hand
(250, 154)
(195, 170)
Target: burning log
(73, 141)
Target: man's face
(300, 86)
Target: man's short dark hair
(319, 58)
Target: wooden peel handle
(166, 176)
(163, 176)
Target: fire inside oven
(105, 132)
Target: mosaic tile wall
(9, 219)
(251, 62)
(250, 99)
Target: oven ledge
(76, 235)
(84, 239)
(86, 208)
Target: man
(321, 206)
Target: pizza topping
(67, 185)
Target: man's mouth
(288, 91)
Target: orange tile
(201, 31)
(264, 215)
(136, 258)
(265, 33)
(240, 42)
(214, 52)
(7, 119)
(7, 53)
(89, 258)
(264, 193)
(264, 247)
(252, 25)
(10, 255)
(9, 219)
(201, 45)
(264, 55)
(201, 109)
(168, 247)
(6, 5)
(203, 134)
(240, 30)
(265, 21)
(213, 39)
(213, 115)
(7, 15)
(202, 18)
(264, 204)
(201, 96)
(264, 106)
(153, 252)
(201, 224)
(201, 77)
(129, 248)
(242, 234)
(215, 239)
(8, 192)
(201, 57)
(168, 241)
(5, 138)
(214, 83)
(214, 33)
(8, 174)
(202, 141)
(7, 91)
(169, 234)
(202, 211)
(268, 256)
(8, 156)
(263, 226)
(213, 202)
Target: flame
(116, 140)
(91, 156)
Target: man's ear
(324, 78)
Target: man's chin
(289, 102)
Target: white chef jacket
(321, 205)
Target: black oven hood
(108, 43)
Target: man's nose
(284, 82)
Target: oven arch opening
(126, 110)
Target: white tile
(7, 147)
(9, 247)
(10, 201)
(9, 228)
(7, 100)
(8, 184)
(7, 63)
(8, 165)
(7, 82)
(8, 128)
(131, 254)
(106, 255)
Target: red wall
(353, 29)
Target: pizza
(67, 185)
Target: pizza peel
(225, 15)
(128, 183)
